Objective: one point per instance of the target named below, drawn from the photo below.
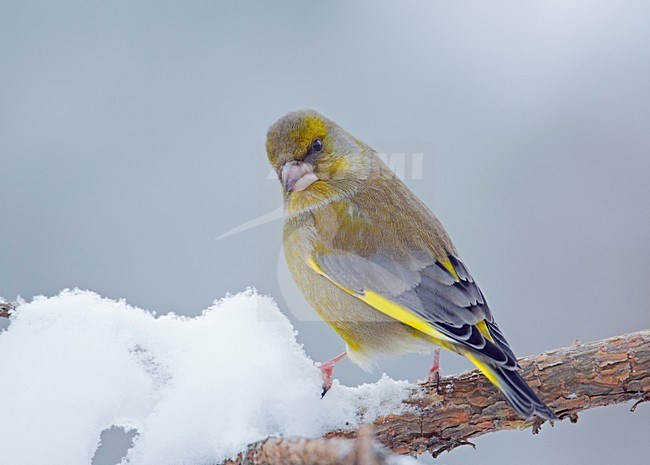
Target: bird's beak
(297, 176)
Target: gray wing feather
(358, 273)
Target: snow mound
(197, 390)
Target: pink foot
(326, 369)
(435, 373)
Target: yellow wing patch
(391, 309)
(483, 329)
(484, 368)
(449, 267)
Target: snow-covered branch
(199, 390)
(570, 380)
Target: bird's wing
(440, 299)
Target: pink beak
(297, 176)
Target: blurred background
(132, 136)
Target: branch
(570, 380)
(363, 450)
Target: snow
(197, 390)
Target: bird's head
(314, 158)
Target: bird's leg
(326, 371)
(435, 373)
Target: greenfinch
(375, 263)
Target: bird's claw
(326, 387)
(326, 369)
(326, 372)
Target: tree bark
(363, 450)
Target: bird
(376, 264)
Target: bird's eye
(316, 145)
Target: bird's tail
(519, 395)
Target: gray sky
(132, 135)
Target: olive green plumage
(375, 263)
